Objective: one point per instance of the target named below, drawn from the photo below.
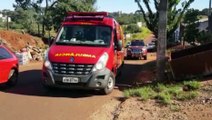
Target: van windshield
(137, 43)
(86, 35)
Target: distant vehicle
(151, 47)
(128, 44)
(137, 49)
(8, 67)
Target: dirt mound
(16, 41)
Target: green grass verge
(165, 94)
(144, 93)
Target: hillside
(16, 41)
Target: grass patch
(160, 87)
(187, 95)
(174, 108)
(192, 85)
(144, 93)
(164, 97)
(166, 93)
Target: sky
(126, 6)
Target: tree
(204, 12)
(54, 11)
(125, 19)
(39, 14)
(162, 36)
(132, 28)
(191, 32)
(26, 18)
(24, 4)
(32, 7)
(59, 9)
(174, 15)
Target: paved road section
(30, 101)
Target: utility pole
(7, 22)
(162, 38)
(210, 18)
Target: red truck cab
(8, 66)
(87, 53)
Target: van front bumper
(95, 80)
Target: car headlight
(144, 49)
(47, 63)
(102, 62)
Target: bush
(204, 37)
(132, 28)
(16, 26)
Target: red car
(137, 49)
(8, 67)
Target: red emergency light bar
(86, 16)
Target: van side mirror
(119, 45)
(51, 40)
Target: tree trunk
(162, 38)
(7, 22)
(45, 12)
(38, 28)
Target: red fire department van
(87, 53)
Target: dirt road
(30, 101)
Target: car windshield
(151, 44)
(137, 43)
(4, 54)
(87, 35)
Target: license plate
(70, 80)
(136, 52)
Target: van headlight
(102, 62)
(47, 63)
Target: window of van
(89, 35)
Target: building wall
(203, 26)
(4, 18)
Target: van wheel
(47, 87)
(128, 57)
(145, 57)
(110, 85)
(13, 78)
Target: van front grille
(72, 69)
